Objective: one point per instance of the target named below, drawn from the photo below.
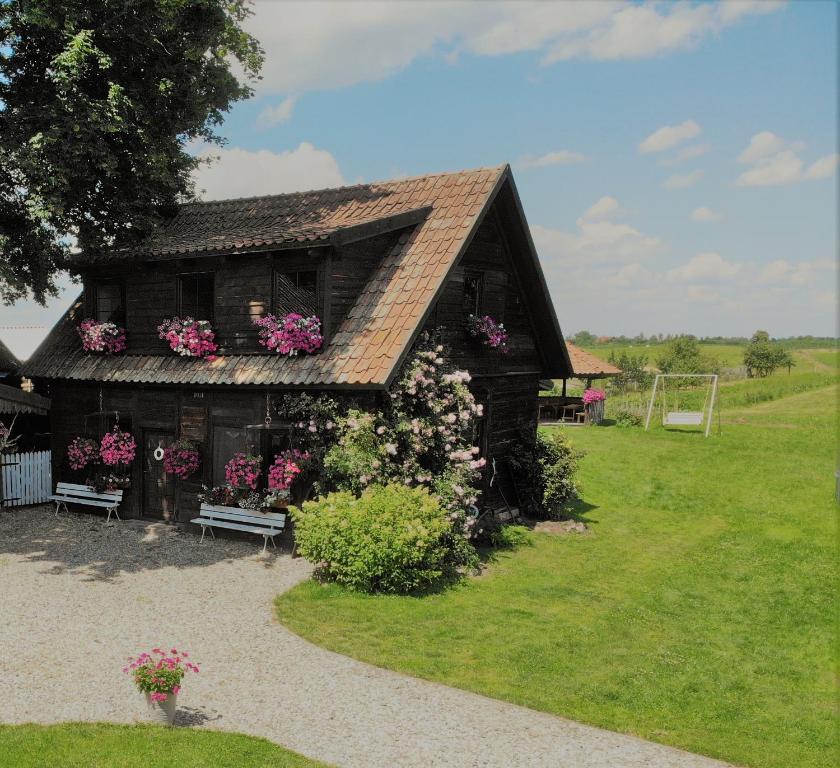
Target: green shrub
(544, 468)
(510, 537)
(392, 538)
(629, 416)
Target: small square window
(296, 291)
(108, 303)
(196, 296)
(473, 285)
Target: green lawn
(79, 745)
(698, 612)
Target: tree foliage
(763, 356)
(683, 355)
(99, 101)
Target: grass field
(698, 612)
(729, 355)
(81, 745)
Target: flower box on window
(488, 332)
(107, 338)
(290, 334)
(189, 337)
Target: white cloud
(603, 207)
(682, 180)
(242, 173)
(318, 45)
(704, 268)
(597, 239)
(281, 113)
(560, 157)
(669, 136)
(783, 272)
(705, 214)
(775, 161)
(696, 150)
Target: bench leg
(59, 505)
(203, 529)
(265, 542)
(114, 510)
(273, 543)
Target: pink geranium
(181, 459)
(81, 452)
(286, 467)
(159, 674)
(290, 334)
(244, 471)
(118, 447)
(189, 337)
(101, 337)
(594, 396)
(488, 332)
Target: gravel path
(77, 596)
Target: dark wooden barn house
(378, 263)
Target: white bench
(267, 525)
(83, 494)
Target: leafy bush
(684, 355)
(627, 415)
(544, 467)
(392, 538)
(510, 537)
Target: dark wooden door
(158, 487)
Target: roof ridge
(196, 203)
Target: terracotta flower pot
(162, 712)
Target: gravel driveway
(77, 596)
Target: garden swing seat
(694, 418)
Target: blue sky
(627, 125)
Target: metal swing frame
(682, 417)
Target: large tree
(99, 102)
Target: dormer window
(108, 305)
(196, 295)
(296, 291)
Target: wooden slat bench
(72, 493)
(267, 525)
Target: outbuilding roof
(587, 365)
(439, 213)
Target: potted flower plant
(181, 459)
(243, 471)
(81, 452)
(158, 675)
(283, 472)
(488, 332)
(117, 447)
(189, 337)
(107, 338)
(290, 334)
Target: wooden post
(564, 387)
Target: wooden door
(158, 487)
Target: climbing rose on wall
(118, 447)
(101, 337)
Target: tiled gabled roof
(378, 329)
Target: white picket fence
(26, 478)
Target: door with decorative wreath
(158, 487)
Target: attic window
(195, 295)
(473, 288)
(108, 302)
(296, 291)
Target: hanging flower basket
(106, 338)
(488, 332)
(117, 447)
(290, 334)
(81, 452)
(181, 459)
(244, 471)
(189, 337)
(285, 469)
